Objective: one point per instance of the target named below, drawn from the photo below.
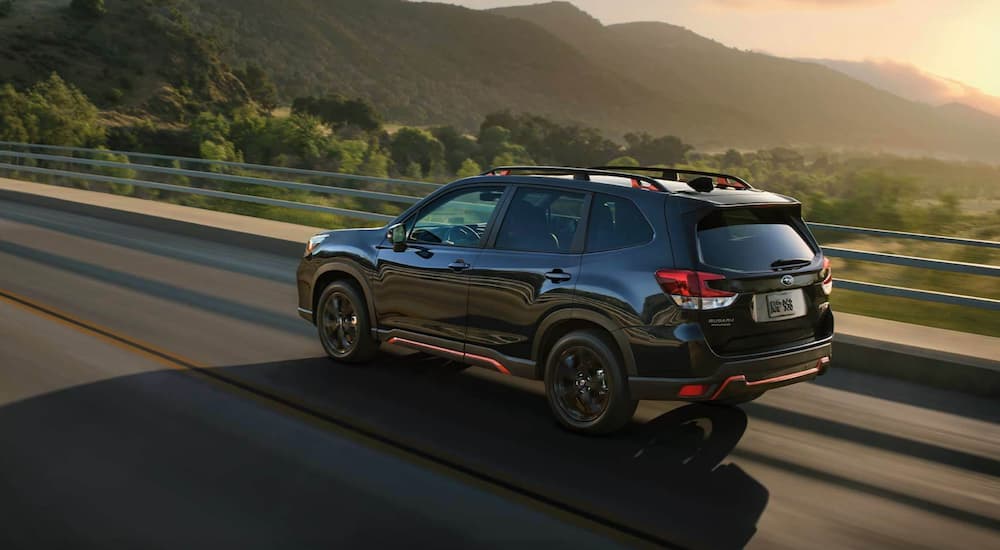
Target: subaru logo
(787, 280)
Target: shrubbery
(50, 112)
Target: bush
(50, 112)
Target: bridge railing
(78, 163)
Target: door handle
(459, 265)
(558, 276)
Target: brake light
(690, 290)
(827, 274)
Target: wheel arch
(339, 271)
(564, 321)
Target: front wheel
(343, 324)
(586, 385)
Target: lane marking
(293, 407)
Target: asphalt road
(109, 436)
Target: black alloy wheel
(586, 385)
(343, 325)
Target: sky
(958, 39)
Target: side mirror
(397, 236)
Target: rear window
(750, 239)
(616, 223)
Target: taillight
(690, 290)
(827, 275)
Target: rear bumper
(739, 377)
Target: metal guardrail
(211, 175)
(229, 164)
(904, 235)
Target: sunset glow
(956, 40)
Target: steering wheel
(463, 233)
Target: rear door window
(616, 222)
(541, 220)
(751, 239)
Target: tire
(345, 333)
(586, 385)
(736, 400)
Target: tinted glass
(458, 219)
(541, 220)
(616, 223)
(750, 239)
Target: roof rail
(582, 174)
(670, 173)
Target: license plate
(778, 306)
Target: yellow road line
(105, 334)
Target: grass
(918, 312)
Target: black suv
(609, 285)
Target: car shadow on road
(665, 477)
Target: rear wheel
(343, 324)
(586, 385)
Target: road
(157, 389)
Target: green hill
(140, 57)
(427, 63)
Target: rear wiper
(778, 264)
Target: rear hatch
(767, 257)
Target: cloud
(797, 4)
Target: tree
(376, 162)
(13, 112)
(545, 141)
(495, 148)
(260, 86)
(665, 150)
(414, 146)
(59, 114)
(458, 147)
(468, 169)
(210, 127)
(6, 6)
(338, 111)
(731, 158)
(623, 162)
(88, 8)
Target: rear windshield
(751, 239)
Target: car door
(423, 290)
(529, 269)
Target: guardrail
(27, 161)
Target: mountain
(141, 57)
(429, 63)
(913, 83)
(770, 99)
(421, 63)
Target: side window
(541, 220)
(616, 223)
(458, 219)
